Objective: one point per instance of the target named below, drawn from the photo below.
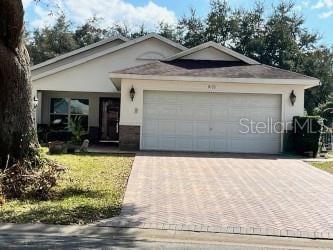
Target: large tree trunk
(17, 133)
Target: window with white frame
(63, 110)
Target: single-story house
(151, 93)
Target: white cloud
(326, 14)
(26, 3)
(322, 4)
(43, 17)
(111, 11)
(302, 5)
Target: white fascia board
(108, 51)
(309, 83)
(215, 46)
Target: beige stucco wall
(92, 77)
(131, 112)
(210, 54)
(93, 120)
(79, 56)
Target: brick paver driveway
(228, 193)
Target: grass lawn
(326, 166)
(91, 189)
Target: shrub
(307, 134)
(22, 181)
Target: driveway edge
(220, 229)
(153, 235)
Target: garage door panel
(150, 127)
(167, 143)
(184, 128)
(202, 128)
(220, 101)
(219, 128)
(151, 97)
(200, 100)
(168, 111)
(184, 143)
(186, 112)
(167, 127)
(202, 114)
(219, 145)
(201, 144)
(209, 122)
(219, 113)
(151, 111)
(236, 114)
(150, 142)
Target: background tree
(168, 31)
(90, 32)
(56, 40)
(218, 22)
(318, 63)
(141, 32)
(277, 38)
(247, 33)
(191, 30)
(18, 141)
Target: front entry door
(109, 119)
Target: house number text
(211, 86)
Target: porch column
(38, 109)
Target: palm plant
(75, 126)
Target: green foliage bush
(307, 132)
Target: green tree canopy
(50, 42)
(278, 38)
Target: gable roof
(215, 46)
(206, 70)
(99, 54)
(79, 51)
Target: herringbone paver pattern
(228, 193)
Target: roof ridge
(216, 46)
(80, 50)
(127, 43)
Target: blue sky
(318, 13)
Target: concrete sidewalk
(40, 236)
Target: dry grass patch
(91, 189)
(326, 166)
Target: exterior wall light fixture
(132, 93)
(292, 97)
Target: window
(63, 109)
(80, 108)
(59, 113)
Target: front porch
(99, 116)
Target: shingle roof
(218, 69)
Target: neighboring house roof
(76, 62)
(215, 46)
(78, 51)
(206, 70)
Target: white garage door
(210, 122)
